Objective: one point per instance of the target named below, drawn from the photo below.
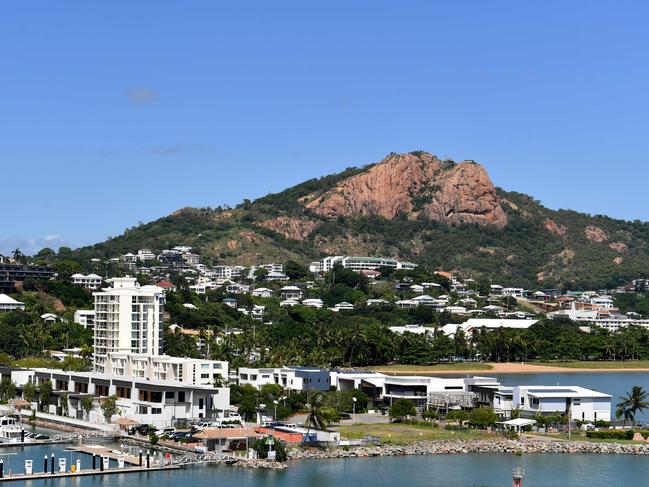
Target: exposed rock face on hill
(414, 184)
(292, 228)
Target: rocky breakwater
(451, 447)
(259, 464)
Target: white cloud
(31, 246)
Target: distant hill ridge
(412, 206)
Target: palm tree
(634, 401)
(356, 339)
(318, 415)
(622, 413)
(18, 256)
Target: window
(181, 396)
(123, 392)
(205, 366)
(101, 390)
(156, 410)
(201, 403)
(150, 396)
(205, 376)
(170, 395)
(576, 402)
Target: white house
(343, 306)
(275, 276)
(291, 292)
(416, 329)
(262, 292)
(289, 377)
(313, 303)
(257, 312)
(85, 317)
(406, 303)
(577, 402)
(7, 303)
(91, 281)
(256, 377)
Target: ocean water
(425, 471)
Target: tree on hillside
(295, 271)
(401, 409)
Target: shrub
(402, 409)
(261, 447)
(482, 417)
(611, 434)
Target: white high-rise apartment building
(128, 318)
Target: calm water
(429, 471)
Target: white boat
(10, 430)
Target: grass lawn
(405, 433)
(579, 364)
(422, 369)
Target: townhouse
(157, 402)
(289, 377)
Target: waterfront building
(573, 401)
(160, 403)
(128, 318)
(290, 377)
(190, 371)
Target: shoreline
(463, 447)
(504, 368)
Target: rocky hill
(412, 206)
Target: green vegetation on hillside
(538, 247)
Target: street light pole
(354, 399)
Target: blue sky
(117, 112)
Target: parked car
(165, 431)
(145, 430)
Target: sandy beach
(503, 368)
